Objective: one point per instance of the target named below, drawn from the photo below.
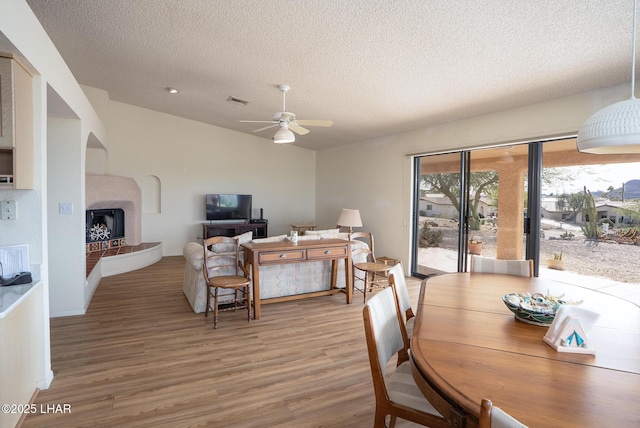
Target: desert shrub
(429, 237)
(567, 235)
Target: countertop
(11, 296)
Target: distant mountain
(631, 191)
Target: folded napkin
(569, 329)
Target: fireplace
(113, 206)
(104, 225)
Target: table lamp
(350, 218)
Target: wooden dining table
(467, 345)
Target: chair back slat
(506, 267)
(221, 256)
(369, 253)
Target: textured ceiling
(372, 67)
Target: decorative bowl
(535, 309)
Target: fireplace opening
(104, 225)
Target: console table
(268, 253)
(234, 228)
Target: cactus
(590, 229)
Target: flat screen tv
(228, 207)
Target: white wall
(191, 159)
(345, 178)
(67, 275)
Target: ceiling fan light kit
(284, 135)
(616, 128)
(287, 122)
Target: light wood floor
(140, 357)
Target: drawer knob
(327, 252)
(283, 256)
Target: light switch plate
(65, 208)
(8, 210)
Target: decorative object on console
(286, 121)
(616, 128)
(349, 218)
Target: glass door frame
(531, 222)
(463, 215)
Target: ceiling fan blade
(257, 121)
(266, 127)
(298, 129)
(326, 123)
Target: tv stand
(234, 228)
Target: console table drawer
(280, 256)
(326, 253)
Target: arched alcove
(151, 195)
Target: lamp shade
(614, 129)
(349, 218)
(284, 135)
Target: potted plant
(556, 262)
(475, 245)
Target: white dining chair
(396, 393)
(507, 267)
(399, 284)
(494, 417)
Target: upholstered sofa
(275, 280)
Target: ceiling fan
(287, 122)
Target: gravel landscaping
(619, 262)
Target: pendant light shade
(616, 128)
(284, 135)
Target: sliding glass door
(470, 203)
(438, 220)
(540, 201)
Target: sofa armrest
(192, 252)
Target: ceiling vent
(237, 100)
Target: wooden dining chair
(507, 267)
(223, 270)
(397, 395)
(399, 285)
(366, 269)
(494, 417)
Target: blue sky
(597, 177)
